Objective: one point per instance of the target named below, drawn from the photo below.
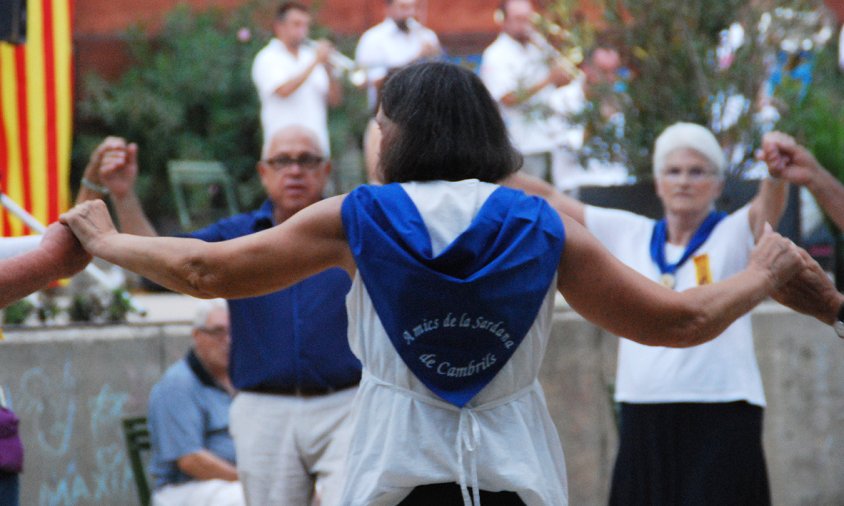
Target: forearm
(131, 215)
(829, 192)
(204, 465)
(175, 263)
(519, 96)
(628, 304)
(26, 273)
(535, 186)
(768, 205)
(713, 308)
(335, 91)
(290, 87)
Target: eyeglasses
(307, 162)
(216, 332)
(695, 174)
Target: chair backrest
(137, 441)
(184, 173)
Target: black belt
(298, 391)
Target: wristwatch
(839, 322)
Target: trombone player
(520, 75)
(294, 77)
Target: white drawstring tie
(468, 428)
(468, 439)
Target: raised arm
(309, 242)
(114, 168)
(535, 186)
(790, 161)
(323, 50)
(768, 205)
(617, 298)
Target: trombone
(354, 73)
(567, 62)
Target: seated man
(193, 458)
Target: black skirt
(448, 494)
(690, 454)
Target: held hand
(92, 170)
(90, 222)
(119, 170)
(429, 50)
(788, 160)
(324, 49)
(810, 292)
(779, 256)
(64, 249)
(557, 76)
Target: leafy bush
(817, 119)
(669, 48)
(189, 95)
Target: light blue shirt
(188, 412)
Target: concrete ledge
(72, 385)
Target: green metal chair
(184, 173)
(137, 441)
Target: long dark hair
(448, 127)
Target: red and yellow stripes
(36, 104)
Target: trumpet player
(293, 76)
(393, 43)
(522, 78)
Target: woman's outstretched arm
(309, 242)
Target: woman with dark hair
(451, 305)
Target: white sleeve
(368, 57)
(269, 72)
(614, 227)
(739, 225)
(431, 37)
(498, 78)
(841, 49)
(12, 246)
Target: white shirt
(721, 370)
(307, 106)
(404, 435)
(385, 46)
(841, 49)
(508, 66)
(13, 246)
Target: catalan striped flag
(36, 104)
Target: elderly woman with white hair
(691, 419)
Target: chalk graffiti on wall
(77, 451)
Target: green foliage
(817, 121)
(17, 312)
(84, 307)
(189, 95)
(119, 306)
(670, 49)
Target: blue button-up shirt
(188, 412)
(295, 338)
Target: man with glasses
(192, 452)
(289, 419)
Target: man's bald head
(289, 132)
(293, 170)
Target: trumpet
(345, 65)
(567, 62)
